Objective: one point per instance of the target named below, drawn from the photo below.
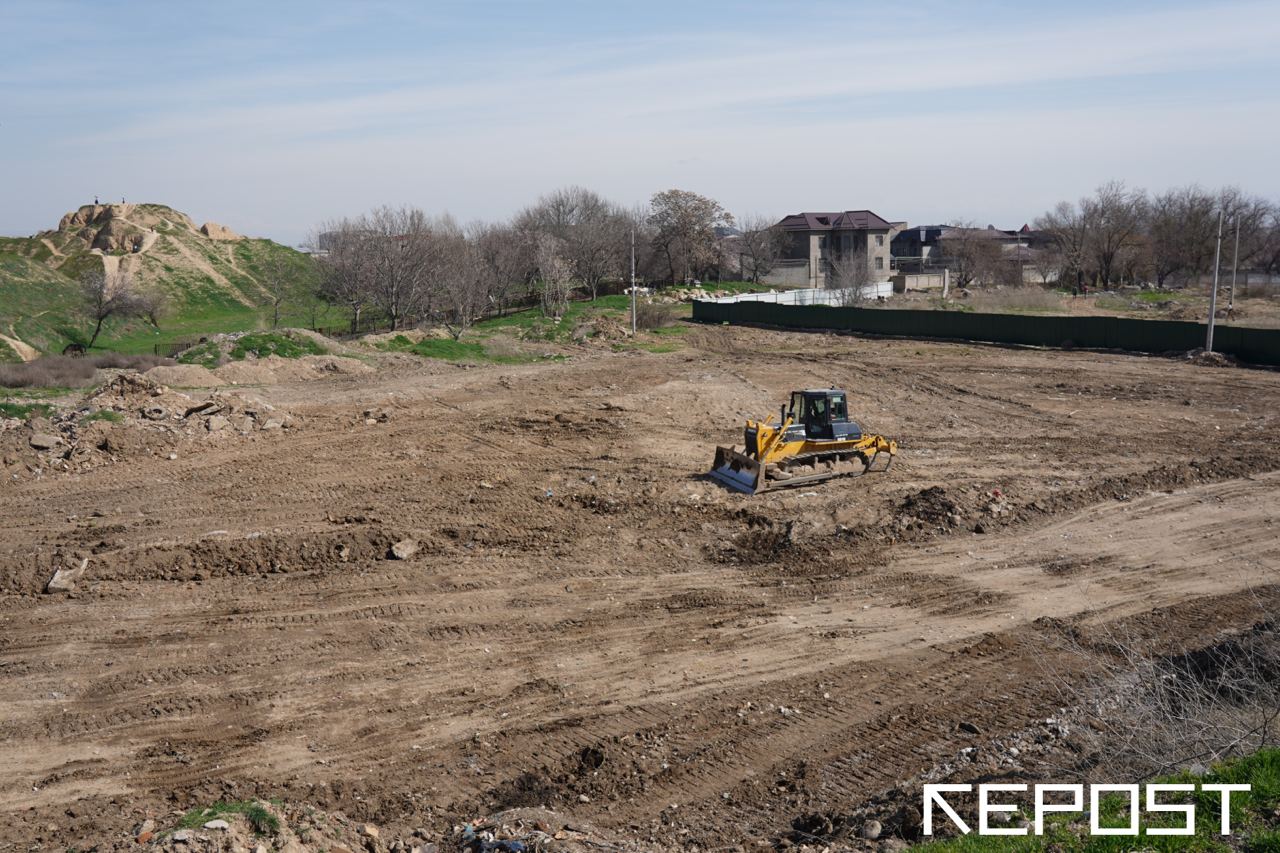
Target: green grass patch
(1251, 818)
(24, 411)
(448, 349)
(206, 355)
(263, 344)
(1108, 302)
(102, 415)
(1156, 296)
(531, 324)
(27, 393)
(261, 821)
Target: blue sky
(271, 117)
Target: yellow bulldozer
(813, 440)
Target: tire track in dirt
(530, 628)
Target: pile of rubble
(600, 329)
(130, 416)
(677, 295)
(939, 510)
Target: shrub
(125, 361)
(651, 315)
(51, 371)
(60, 371)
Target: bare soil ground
(591, 625)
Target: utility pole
(1213, 294)
(1235, 262)
(633, 281)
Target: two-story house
(816, 244)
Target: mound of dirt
(602, 329)
(937, 509)
(257, 372)
(1211, 359)
(184, 376)
(336, 364)
(273, 369)
(326, 343)
(413, 336)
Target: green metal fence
(1260, 346)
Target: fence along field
(1259, 346)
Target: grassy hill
(212, 277)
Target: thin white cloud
(731, 73)
(729, 113)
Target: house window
(879, 239)
(879, 262)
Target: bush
(652, 315)
(124, 361)
(51, 371)
(60, 371)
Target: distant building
(919, 248)
(819, 244)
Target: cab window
(818, 410)
(797, 408)
(839, 409)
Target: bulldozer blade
(738, 471)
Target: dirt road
(591, 624)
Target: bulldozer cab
(824, 414)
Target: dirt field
(591, 624)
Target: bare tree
(281, 280)
(346, 267)
(1181, 224)
(507, 260)
(973, 254)
(404, 262)
(556, 272)
(1114, 217)
(848, 273)
(106, 295)
(1268, 258)
(1069, 233)
(759, 247)
(684, 231)
(1252, 214)
(1047, 261)
(590, 229)
(461, 278)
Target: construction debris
(130, 416)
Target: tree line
(408, 266)
(1119, 235)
